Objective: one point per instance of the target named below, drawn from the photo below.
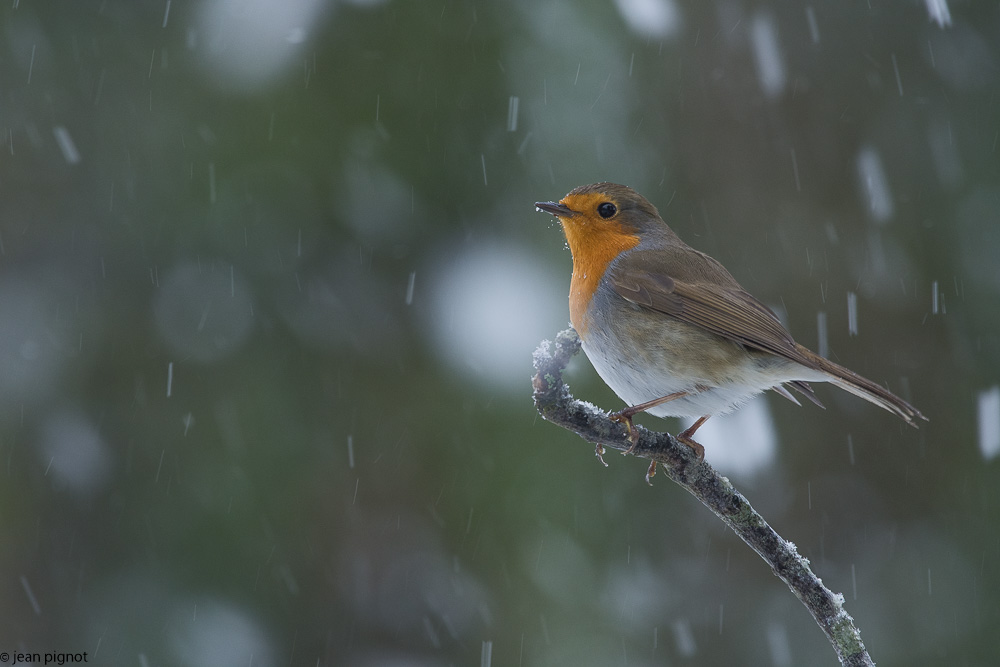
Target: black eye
(607, 210)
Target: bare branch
(555, 403)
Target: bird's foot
(650, 472)
(599, 452)
(625, 417)
(686, 436)
(699, 451)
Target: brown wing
(726, 309)
(702, 293)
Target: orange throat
(593, 247)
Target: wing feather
(725, 310)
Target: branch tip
(556, 404)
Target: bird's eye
(607, 210)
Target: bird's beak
(555, 208)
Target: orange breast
(594, 245)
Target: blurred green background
(271, 277)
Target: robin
(669, 329)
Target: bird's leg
(685, 437)
(625, 416)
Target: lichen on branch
(556, 404)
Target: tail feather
(780, 389)
(850, 381)
(803, 388)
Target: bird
(670, 330)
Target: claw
(599, 452)
(633, 434)
(685, 437)
(699, 450)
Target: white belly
(637, 384)
(657, 356)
